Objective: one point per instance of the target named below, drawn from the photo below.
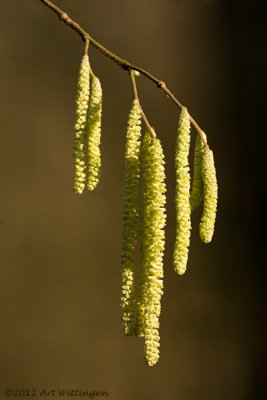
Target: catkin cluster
(210, 194)
(144, 169)
(153, 220)
(204, 188)
(183, 210)
(141, 305)
(87, 138)
(82, 100)
(130, 214)
(144, 203)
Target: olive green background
(60, 254)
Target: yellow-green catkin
(183, 210)
(130, 214)
(196, 195)
(210, 196)
(79, 152)
(152, 236)
(94, 134)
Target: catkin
(153, 219)
(196, 195)
(82, 98)
(130, 214)
(94, 134)
(210, 196)
(183, 211)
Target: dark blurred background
(60, 254)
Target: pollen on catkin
(152, 236)
(130, 214)
(183, 210)
(94, 134)
(210, 196)
(196, 195)
(79, 152)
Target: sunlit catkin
(130, 213)
(183, 211)
(210, 196)
(79, 152)
(196, 195)
(94, 134)
(152, 235)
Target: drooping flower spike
(79, 151)
(196, 195)
(94, 134)
(130, 214)
(153, 219)
(210, 196)
(183, 210)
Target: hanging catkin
(82, 98)
(94, 134)
(183, 211)
(210, 196)
(153, 218)
(130, 213)
(196, 195)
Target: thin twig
(135, 93)
(86, 47)
(126, 65)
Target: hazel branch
(124, 64)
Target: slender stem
(193, 122)
(126, 65)
(86, 47)
(135, 93)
